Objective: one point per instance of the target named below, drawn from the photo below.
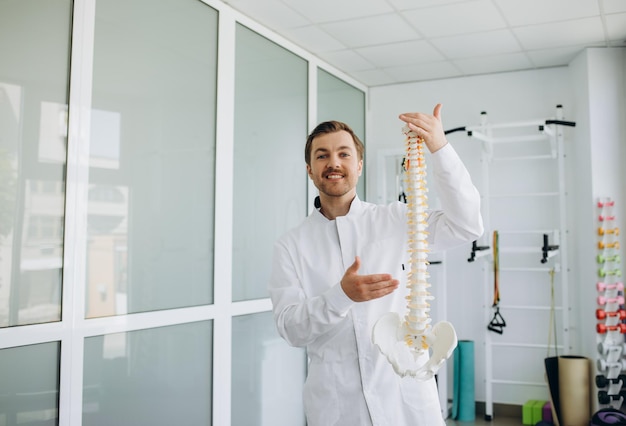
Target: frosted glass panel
(270, 178)
(35, 46)
(268, 375)
(158, 376)
(29, 385)
(338, 100)
(152, 157)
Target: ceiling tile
(346, 60)
(404, 53)
(319, 11)
(375, 77)
(313, 39)
(371, 31)
(498, 63)
(553, 57)
(416, 4)
(530, 12)
(613, 6)
(432, 71)
(581, 31)
(480, 44)
(616, 26)
(273, 14)
(388, 41)
(454, 19)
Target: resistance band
(497, 322)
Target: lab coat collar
(356, 207)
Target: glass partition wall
(35, 46)
(341, 101)
(173, 141)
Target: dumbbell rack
(610, 313)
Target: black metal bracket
(476, 248)
(547, 248)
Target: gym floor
(497, 421)
(503, 415)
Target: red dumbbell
(607, 218)
(606, 203)
(604, 300)
(615, 286)
(603, 328)
(602, 314)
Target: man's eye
(319, 157)
(345, 154)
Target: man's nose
(333, 161)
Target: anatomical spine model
(406, 342)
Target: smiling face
(335, 165)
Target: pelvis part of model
(406, 343)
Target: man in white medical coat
(341, 269)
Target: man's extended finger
(378, 285)
(376, 278)
(354, 268)
(383, 291)
(437, 111)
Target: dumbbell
(605, 398)
(604, 365)
(602, 245)
(615, 272)
(602, 231)
(606, 203)
(603, 328)
(600, 286)
(602, 314)
(608, 346)
(602, 381)
(607, 218)
(602, 258)
(602, 300)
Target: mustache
(332, 171)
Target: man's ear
(308, 171)
(360, 167)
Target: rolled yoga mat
(552, 376)
(463, 401)
(574, 390)
(569, 380)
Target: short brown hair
(331, 127)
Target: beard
(337, 188)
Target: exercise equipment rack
(610, 313)
(535, 233)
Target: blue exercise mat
(463, 401)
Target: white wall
(598, 168)
(591, 91)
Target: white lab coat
(349, 382)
